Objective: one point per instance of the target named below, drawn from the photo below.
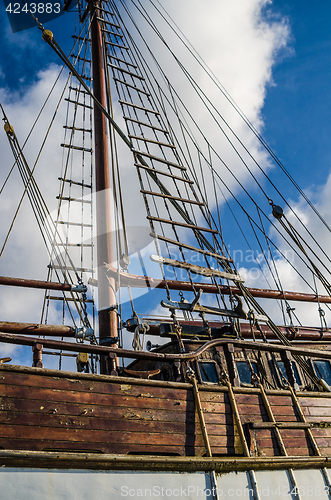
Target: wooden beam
(44, 285)
(37, 329)
(94, 461)
(137, 281)
(188, 356)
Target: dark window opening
(166, 373)
(208, 372)
(244, 372)
(282, 369)
(323, 370)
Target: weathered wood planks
(39, 412)
(44, 412)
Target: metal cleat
(79, 288)
(84, 333)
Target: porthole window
(244, 372)
(281, 366)
(208, 372)
(323, 369)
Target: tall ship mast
(157, 369)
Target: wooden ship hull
(81, 434)
(140, 433)
(42, 410)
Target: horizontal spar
(187, 356)
(298, 333)
(137, 281)
(44, 285)
(301, 333)
(98, 461)
(37, 329)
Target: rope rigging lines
(135, 121)
(146, 15)
(176, 30)
(75, 211)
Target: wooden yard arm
(137, 281)
(189, 356)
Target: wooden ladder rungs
(85, 77)
(78, 129)
(143, 124)
(81, 38)
(161, 160)
(170, 197)
(78, 90)
(79, 148)
(78, 269)
(122, 61)
(78, 103)
(111, 33)
(189, 247)
(81, 58)
(282, 425)
(106, 11)
(153, 141)
(124, 47)
(73, 223)
(79, 245)
(108, 22)
(131, 86)
(142, 108)
(154, 171)
(182, 224)
(89, 186)
(126, 71)
(68, 198)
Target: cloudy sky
(274, 60)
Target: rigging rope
(211, 75)
(39, 206)
(201, 93)
(208, 143)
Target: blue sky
(296, 99)
(297, 108)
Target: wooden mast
(106, 297)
